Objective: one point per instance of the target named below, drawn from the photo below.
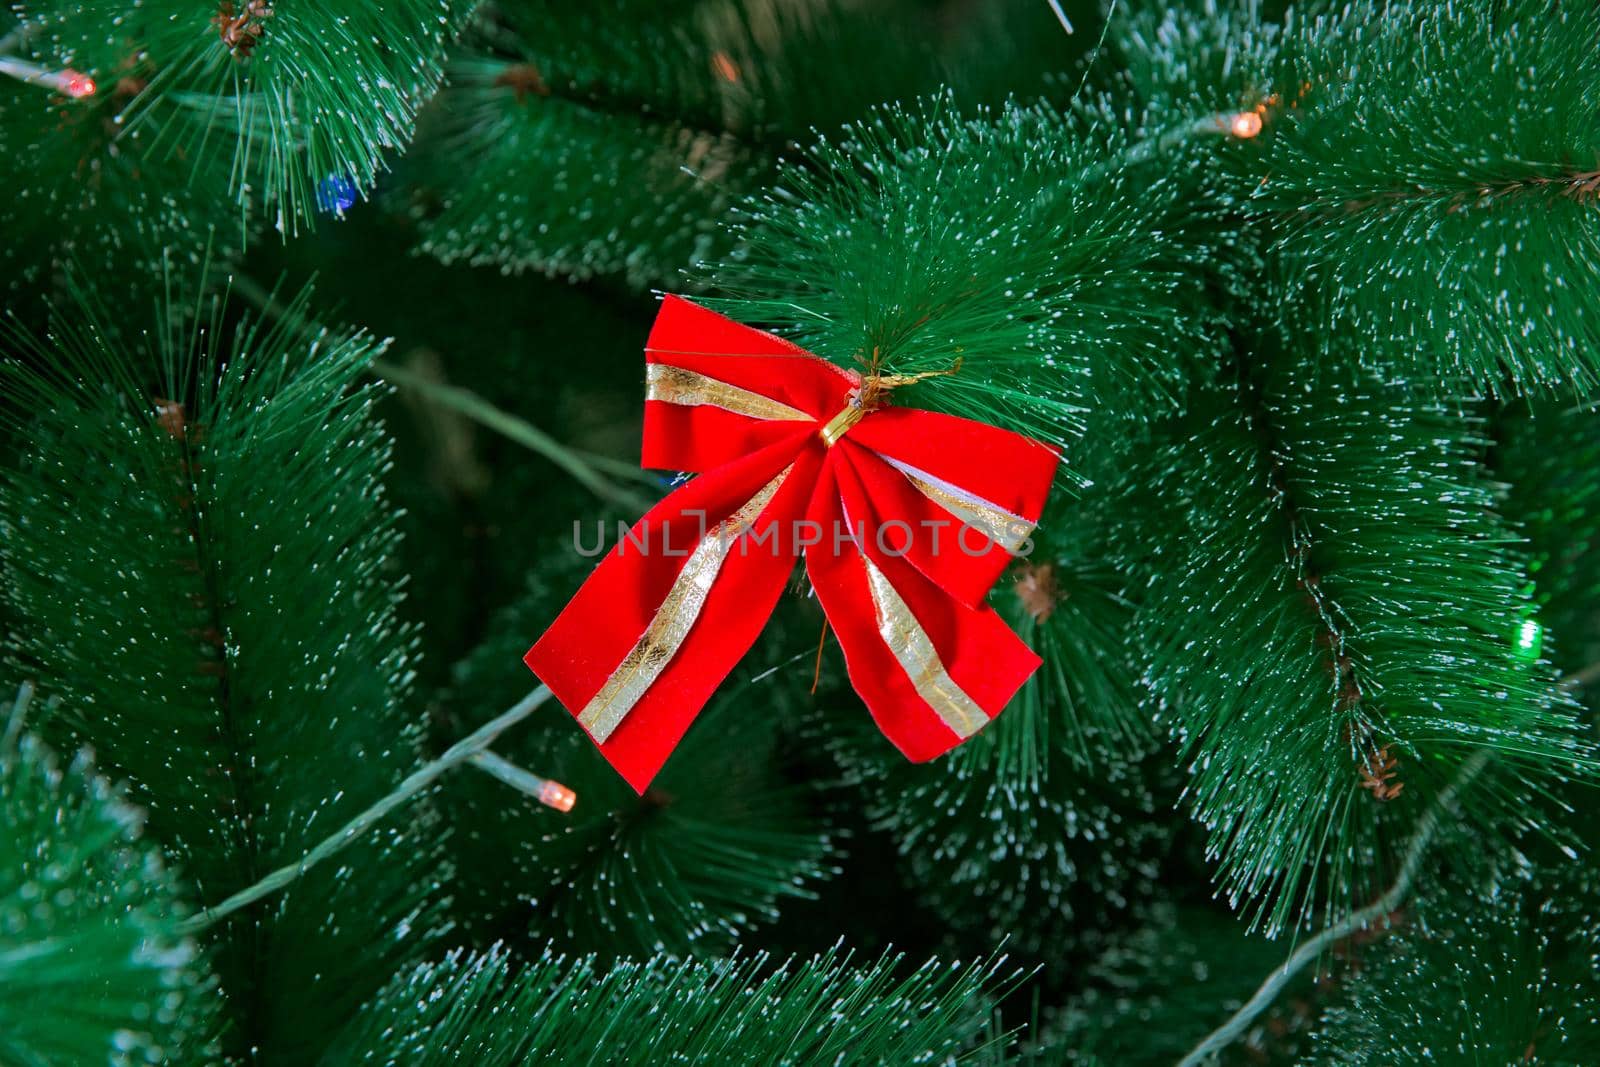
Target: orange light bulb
(555, 795)
(77, 85)
(725, 67)
(1245, 125)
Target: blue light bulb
(336, 194)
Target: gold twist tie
(872, 395)
(840, 424)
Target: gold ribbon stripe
(913, 650)
(673, 619)
(1003, 528)
(674, 385)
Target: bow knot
(840, 424)
(872, 395)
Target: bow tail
(676, 604)
(932, 670)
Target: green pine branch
(1452, 236)
(195, 543)
(1180, 62)
(513, 176)
(472, 750)
(1156, 991)
(1425, 179)
(93, 964)
(1334, 615)
(612, 138)
(587, 468)
(710, 853)
(299, 103)
(1050, 815)
(1548, 453)
(1505, 973)
(79, 185)
(1012, 244)
(1153, 997)
(1361, 921)
(489, 1010)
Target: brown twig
(523, 79)
(1037, 589)
(241, 27)
(816, 677)
(1578, 186)
(1378, 771)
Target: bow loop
(908, 514)
(717, 390)
(971, 460)
(675, 605)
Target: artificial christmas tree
(1302, 295)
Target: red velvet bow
(905, 518)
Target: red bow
(905, 519)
